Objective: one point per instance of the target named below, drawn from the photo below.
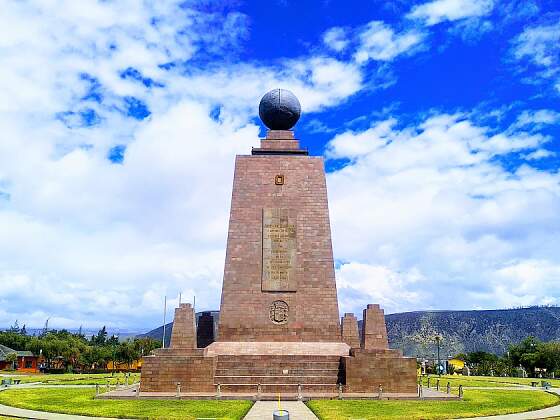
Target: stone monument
(279, 328)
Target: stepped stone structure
(279, 328)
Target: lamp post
(438, 339)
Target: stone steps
(280, 379)
(279, 366)
(300, 358)
(278, 388)
(279, 373)
(295, 371)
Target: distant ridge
(462, 331)
(466, 331)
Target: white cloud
(378, 41)
(434, 200)
(85, 241)
(539, 154)
(360, 284)
(336, 39)
(539, 117)
(93, 241)
(539, 46)
(450, 10)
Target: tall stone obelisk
(279, 282)
(279, 328)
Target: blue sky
(439, 122)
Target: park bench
(534, 384)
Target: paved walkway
(262, 410)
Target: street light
(439, 369)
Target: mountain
(157, 333)
(461, 331)
(466, 331)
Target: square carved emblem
(279, 179)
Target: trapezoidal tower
(279, 282)
(279, 329)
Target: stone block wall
(312, 306)
(350, 332)
(161, 372)
(366, 370)
(374, 330)
(183, 335)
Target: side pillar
(183, 335)
(182, 364)
(374, 330)
(350, 333)
(374, 365)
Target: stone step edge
(263, 384)
(278, 372)
(279, 376)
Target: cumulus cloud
(360, 284)
(438, 11)
(117, 153)
(430, 216)
(336, 39)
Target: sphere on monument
(279, 109)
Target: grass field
(484, 381)
(74, 378)
(80, 401)
(475, 403)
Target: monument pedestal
(279, 328)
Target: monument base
(273, 368)
(257, 368)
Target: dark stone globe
(279, 109)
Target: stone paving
(262, 410)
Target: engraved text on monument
(278, 250)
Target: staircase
(277, 373)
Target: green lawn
(484, 381)
(475, 403)
(80, 401)
(74, 378)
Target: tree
(461, 356)
(127, 353)
(145, 345)
(101, 337)
(15, 327)
(526, 354)
(14, 340)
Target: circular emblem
(279, 312)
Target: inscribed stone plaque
(278, 251)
